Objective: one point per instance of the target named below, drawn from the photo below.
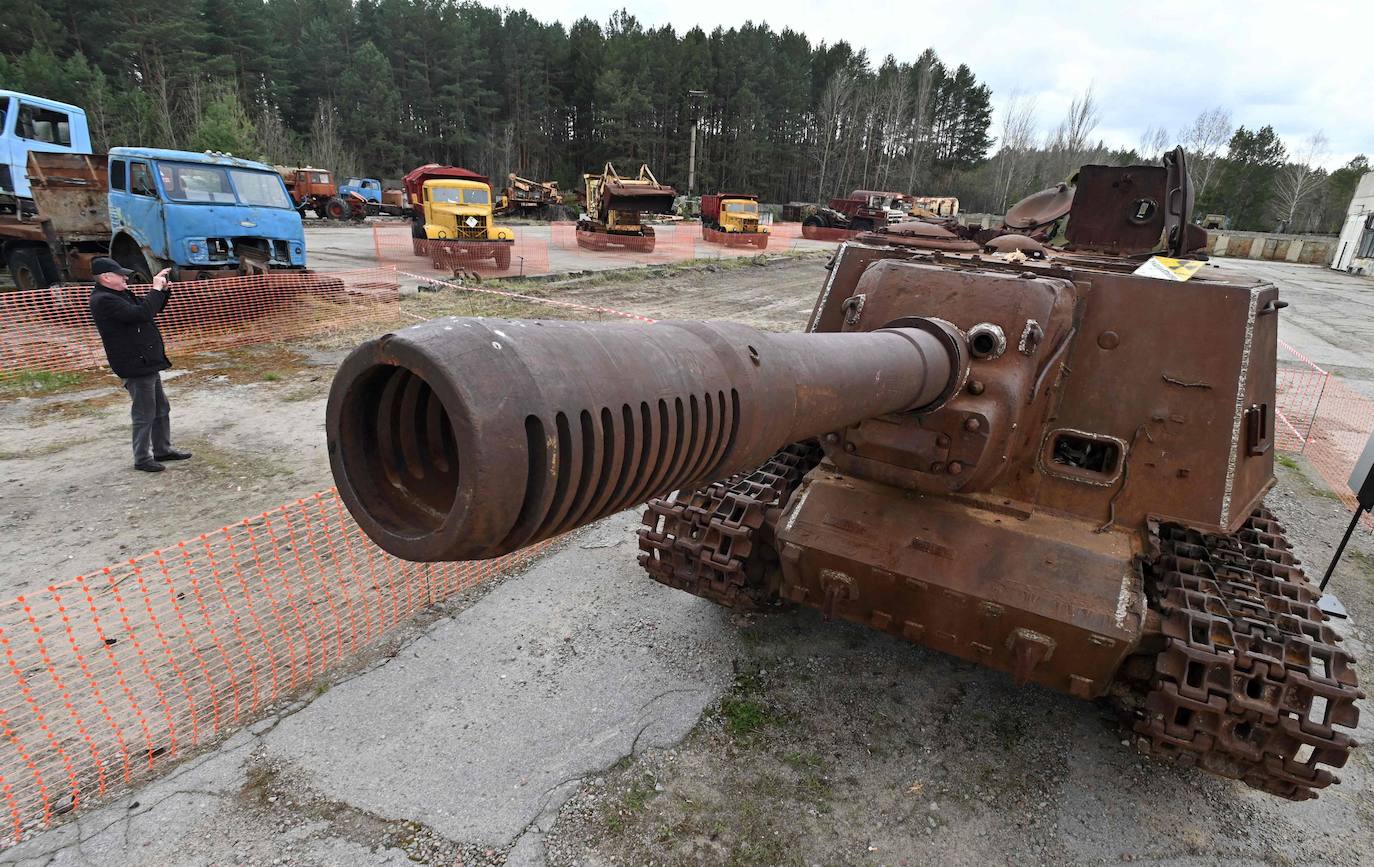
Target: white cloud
(1298, 67)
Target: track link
(1250, 683)
(709, 542)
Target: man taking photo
(134, 348)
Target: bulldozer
(614, 206)
(988, 455)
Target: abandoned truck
(200, 214)
(453, 218)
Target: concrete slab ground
(466, 741)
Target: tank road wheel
(337, 209)
(26, 269)
(502, 257)
(812, 226)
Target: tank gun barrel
(470, 438)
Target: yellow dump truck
(613, 208)
(452, 217)
(732, 219)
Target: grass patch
(743, 716)
(1284, 460)
(271, 377)
(33, 383)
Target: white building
(1355, 249)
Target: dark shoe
(173, 455)
(149, 466)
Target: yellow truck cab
(452, 217)
(732, 219)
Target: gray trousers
(151, 415)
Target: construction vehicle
(530, 198)
(732, 219)
(314, 189)
(615, 207)
(32, 124)
(452, 217)
(860, 211)
(989, 458)
(201, 214)
(940, 206)
(378, 198)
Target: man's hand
(160, 278)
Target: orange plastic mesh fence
(526, 256)
(1299, 387)
(51, 329)
(1340, 430)
(111, 677)
(671, 242)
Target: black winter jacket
(132, 342)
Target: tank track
(710, 542)
(1241, 676)
(1249, 683)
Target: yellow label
(1165, 268)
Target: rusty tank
(1052, 467)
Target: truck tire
(337, 209)
(133, 259)
(26, 269)
(502, 257)
(812, 226)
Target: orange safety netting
(1341, 427)
(672, 242)
(51, 329)
(1299, 387)
(526, 256)
(111, 677)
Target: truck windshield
(263, 189)
(476, 197)
(741, 207)
(188, 182)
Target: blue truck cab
(201, 214)
(33, 124)
(369, 188)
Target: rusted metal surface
(1041, 209)
(953, 573)
(1023, 244)
(437, 464)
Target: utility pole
(696, 97)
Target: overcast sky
(1301, 67)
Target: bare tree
(1018, 134)
(1204, 141)
(1153, 142)
(920, 112)
(893, 104)
(327, 150)
(278, 145)
(835, 102)
(1068, 143)
(1299, 179)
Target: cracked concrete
(465, 743)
